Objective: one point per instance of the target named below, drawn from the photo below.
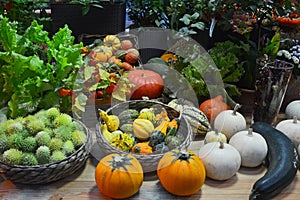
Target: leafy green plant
(25, 11)
(33, 67)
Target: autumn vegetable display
(181, 172)
(144, 131)
(45, 137)
(119, 176)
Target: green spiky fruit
(76, 126)
(56, 144)
(43, 138)
(34, 126)
(62, 119)
(64, 132)
(15, 141)
(29, 144)
(43, 155)
(57, 156)
(29, 159)
(68, 148)
(52, 113)
(3, 143)
(78, 138)
(12, 156)
(14, 127)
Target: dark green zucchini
(282, 159)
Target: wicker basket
(41, 174)
(149, 162)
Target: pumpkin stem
(120, 161)
(295, 120)
(236, 107)
(250, 132)
(221, 145)
(182, 155)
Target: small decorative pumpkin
(181, 172)
(147, 84)
(126, 44)
(103, 53)
(251, 146)
(230, 121)
(212, 107)
(128, 116)
(170, 59)
(293, 109)
(291, 128)
(112, 41)
(141, 148)
(122, 141)
(142, 128)
(119, 175)
(149, 114)
(221, 160)
(156, 138)
(214, 136)
(173, 141)
(131, 57)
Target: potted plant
(99, 17)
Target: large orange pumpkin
(119, 175)
(181, 172)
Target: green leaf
(198, 25)
(8, 35)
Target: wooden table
(81, 185)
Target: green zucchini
(282, 163)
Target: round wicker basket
(149, 162)
(41, 174)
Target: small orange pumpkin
(131, 57)
(141, 148)
(119, 175)
(181, 172)
(126, 44)
(212, 107)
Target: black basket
(149, 162)
(41, 174)
(107, 20)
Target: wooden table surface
(81, 185)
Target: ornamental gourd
(293, 109)
(181, 172)
(141, 148)
(251, 146)
(221, 160)
(291, 128)
(230, 121)
(142, 128)
(119, 175)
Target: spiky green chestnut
(68, 148)
(29, 159)
(77, 126)
(64, 132)
(43, 154)
(29, 145)
(14, 127)
(78, 138)
(62, 119)
(15, 141)
(56, 144)
(42, 138)
(52, 113)
(34, 126)
(3, 143)
(57, 156)
(12, 156)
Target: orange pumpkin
(212, 107)
(119, 175)
(131, 57)
(141, 148)
(181, 172)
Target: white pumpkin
(221, 160)
(299, 149)
(214, 136)
(252, 147)
(293, 109)
(291, 128)
(230, 122)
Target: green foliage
(12, 156)
(34, 67)
(43, 154)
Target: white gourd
(214, 136)
(230, 122)
(291, 128)
(221, 160)
(252, 147)
(293, 109)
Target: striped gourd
(197, 119)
